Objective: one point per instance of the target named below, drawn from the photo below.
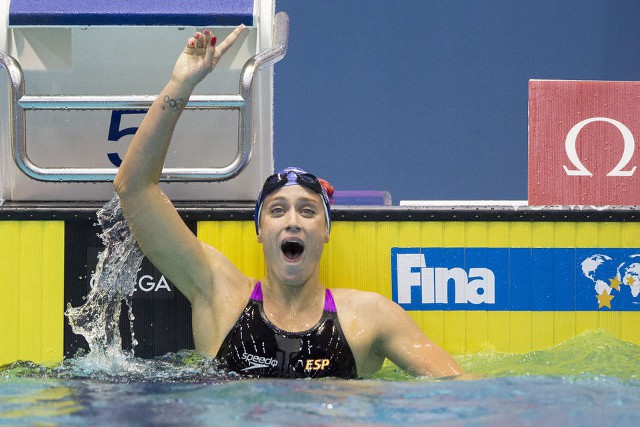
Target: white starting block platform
(77, 77)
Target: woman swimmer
(287, 324)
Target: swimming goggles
(283, 178)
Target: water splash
(112, 282)
(590, 354)
(184, 366)
(97, 320)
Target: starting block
(79, 76)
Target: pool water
(593, 379)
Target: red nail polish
(197, 35)
(213, 41)
(192, 44)
(207, 32)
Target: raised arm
(159, 230)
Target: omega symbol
(572, 154)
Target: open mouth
(292, 250)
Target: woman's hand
(201, 54)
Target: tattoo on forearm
(173, 104)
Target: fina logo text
(475, 286)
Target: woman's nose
(293, 220)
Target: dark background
(162, 321)
(428, 99)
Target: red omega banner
(582, 143)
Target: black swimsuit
(257, 347)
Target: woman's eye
(308, 211)
(277, 211)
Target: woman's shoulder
(354, 299)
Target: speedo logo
(257, 362)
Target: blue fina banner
(516, 279)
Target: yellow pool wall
(358, 256)
(31, 291)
